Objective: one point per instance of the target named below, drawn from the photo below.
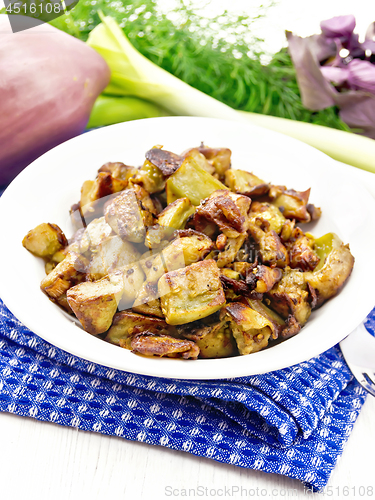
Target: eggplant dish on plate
(188, 257)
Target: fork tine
(369, 387)
(370, 377)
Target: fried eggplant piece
(118, 170)
(95, 303)
(287, 230)
(229, 211)
(231, 250)
(176, 214)
(181, 252)
(191, 293)
(191, 181)
(291, 297)
(165, 161)
(103, 186)
(246, 183)
(272, 251)
(200, 159)
(133, 279)
(235, 287)
(113, 253)
(45, 240)
(277, 321)
(130, 213)
(127, 324)
(301, 253)
(217, 342)
(65, 275)
(149, 344)
(173, 217)
(220, 159)
(94, 235)
(156, 235)
(250, 329)
(62, 301)
(264, 278)
(292, 327)
(150, 177)
(333, 271)
(292, 204)
(147, 300)
(267, 216)
(315, 212)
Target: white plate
(49, 186)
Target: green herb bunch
(218, 56)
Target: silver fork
(359, 353)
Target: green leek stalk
(134, 75)
(108, 110)
(353, 149)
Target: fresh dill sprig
(218, 56)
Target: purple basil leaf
(362, 75)
(316, 92)
(322, 48)
(337, 27)
(357, 110)
(338, 76)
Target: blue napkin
(294, 421)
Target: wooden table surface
(45, 461)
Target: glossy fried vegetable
(130, 213)
(165, 161)
(191, 181)
(243, 182)
(290, 296)
(230, 251)
(91, 191)
(220, 158)
(276, 320)
(293, 204)
(133, 279)
(272, 251)
(149, 344)
(181, 252)
(65, 275)
(126, 324)
(267, 216)
(95, 234)
(118, 170)
(228, 211)
(113, 253)
(176, 214)
(45, 240)
(334, 269)
(191, 293)
(250, 329)
(199, 157)
(264, 278)
(217, 342)
(301, 253)
(95, 303)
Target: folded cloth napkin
(294, 421)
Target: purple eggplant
(49, 82)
